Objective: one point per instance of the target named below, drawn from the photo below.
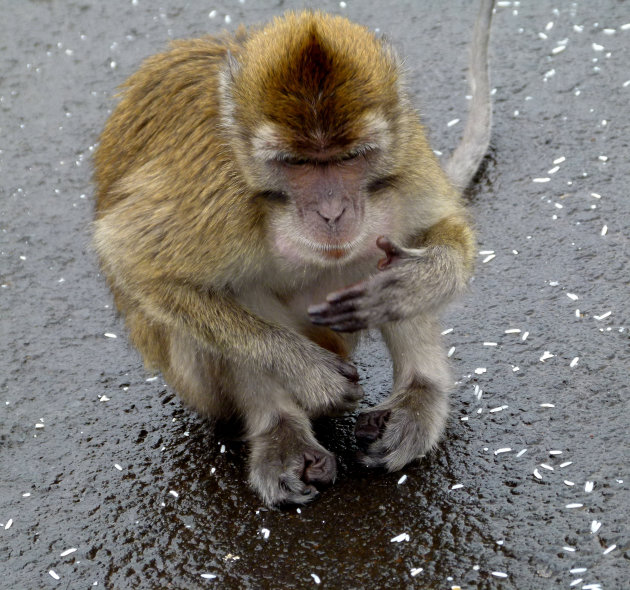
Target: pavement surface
(107, 481)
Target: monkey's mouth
(331, 251)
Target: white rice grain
(265, 533)
(545, 179)
(604, 230)
(402, 480)
(502, 450)
(67, 551)
(588, 486)
(537, 474)
(599, 318)
(415, 571)
(568, 483)
(400, 538)
(572, 296)
(521, 452)
(609, 549)
(53, 574)
(574, 362)
(499, 574)
(316, 578)
(574, 505)
(595, 526)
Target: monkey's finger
(340, 318)
(357, 290)
(348, 371)
(328, 309)
(390, 248)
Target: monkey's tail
(465, 160)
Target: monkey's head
(312, 105)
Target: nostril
(333, 217)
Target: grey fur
(465, 160)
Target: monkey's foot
(290, 473)
(393, 437)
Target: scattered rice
(208, 576)
(415, 571)
(53, 574)
(316, 578)
(457, 486)
(574, 362)
(499, 574)
(503, 450)
(537, 474)
(546, 179)
(595, 526)
(521, 452)
(67, 551)
(574, 505)
(568, 483)
(547, 405)
(588, 486)
(265, 533)
(110, 335)
(603, 316)
(572, 296)
(400, 538)
(402, 480)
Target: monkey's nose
(331, 217)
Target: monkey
(262, 199)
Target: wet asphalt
(107, 481)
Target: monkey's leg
(286, 462)
(408, 424)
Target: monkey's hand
(327, 385)
(410, 281)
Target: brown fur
(243, 178)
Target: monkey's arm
(317, 379)
(410, 281)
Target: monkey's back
(168, 115)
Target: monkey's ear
(232, 68)
(227, 79)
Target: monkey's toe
(319, 468)
(370, 427)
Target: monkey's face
(321, 210)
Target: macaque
(263, 198)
